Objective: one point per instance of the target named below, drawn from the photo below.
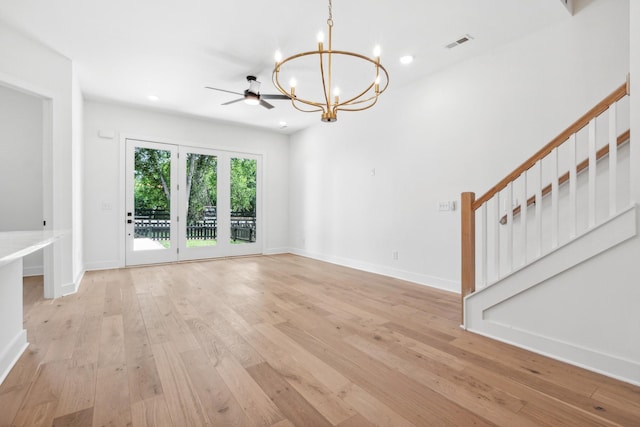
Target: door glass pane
(202, 185)
(243, 200)
(152, 199)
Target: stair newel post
(468, 244)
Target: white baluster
(613, 161)
(555, 227)
(509, 208)
(485, 245)
(592, 173)
(496, 235)
(538, 174)
(573, 185)
(523, 217)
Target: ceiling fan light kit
(329, 106)
(252, 95)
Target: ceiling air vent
(458, 42)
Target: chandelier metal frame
(330, 106)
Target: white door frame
(151, 256)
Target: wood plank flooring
(282, 341)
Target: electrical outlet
(394, 254)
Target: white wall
(36, 69)
(462, 129)
(635, 100)
(103, 185)
(21, 167)
(77, 163)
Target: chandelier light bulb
(377, 51)
(278, 56)
(336, 92)
(320, 37)
(293, 83)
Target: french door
(187, 203)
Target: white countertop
(16, 244)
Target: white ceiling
(126, 50)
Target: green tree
(202, 185)
(152, 175)
(243, 186)
(153, 183)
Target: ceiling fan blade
(233, 102)
(278, 96)
(265, 104)
(224, 90)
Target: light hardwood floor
(281, 341)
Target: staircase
(539, 247)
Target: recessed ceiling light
(406, 60)
(283, 124)
(153, 98)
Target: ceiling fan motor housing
(254, 88)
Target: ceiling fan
(252, 96)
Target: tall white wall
(634, 17)
(21, 167)
(103, 184)
(368, 185)
(77, 162)
(36, 69)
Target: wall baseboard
(409, 276)
(102, 265)
(72, 288)
(36, 270)
(276, 251)
(11, 353)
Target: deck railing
(156, 225)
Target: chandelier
(329, 102)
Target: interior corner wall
(77, 164)
(365, 190)
(21, 118)
(634, 18)
(103, 183)
(36, 69)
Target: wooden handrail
(622, 139)
(600, 108)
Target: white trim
(606, 359)
(12, 353)
(47, 196)
(23, 86)
(417, 278)
(48, 99)
(72, 288)
(37, 270)
(103, 265)
(276, 251)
